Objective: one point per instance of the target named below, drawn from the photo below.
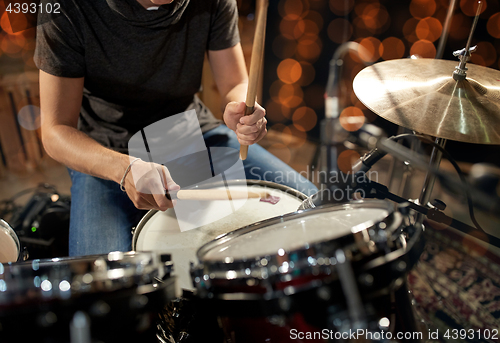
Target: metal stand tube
(430, 178)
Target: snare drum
(105, 298)
(10, 249)
(159, 231)
(290, 273)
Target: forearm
(238, 93)
(78, 151)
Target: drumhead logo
(177, 143)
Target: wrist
(120, 167)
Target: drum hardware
(117, 296)
(375, 190)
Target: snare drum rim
(12, 233)
(136, 231)
(382, 204)
(237, 271)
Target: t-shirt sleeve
(224, 28)
(59, 49)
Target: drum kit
(267, 272)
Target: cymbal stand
(459, 74)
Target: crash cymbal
(421, 95)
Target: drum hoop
(133, 269)
(299, 214)
(136, 231)
(243, 269)
(13, 234)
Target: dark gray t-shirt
(139, 65)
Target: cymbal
(421, 95)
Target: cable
(455, 165)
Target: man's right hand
(146, 184)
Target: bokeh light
(351, 119)
(493, 25)
(373, 49)
(422, 8)
(289, 71)
(309, 48)
(276, 112)
(409, 30)
(393, 48)
(485, 55)
(19, 24)
(429, 29)
(340, 30)
(341, 8)
(469, 7)
(423, 48)
(290, 95)
(304, 118)
(460, 27)
(308, 74)
(293, 9)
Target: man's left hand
(249, 129)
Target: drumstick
(216, 194)
(255, 63)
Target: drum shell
(121, 302)
(308, 298)
(183, 245)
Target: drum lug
(133, 230)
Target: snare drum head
(160, 231)
(297, 231)
(9, 243)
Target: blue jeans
(102, 215)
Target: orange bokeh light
(306, 27)
(292, 9)
(469, 7)
(12, 45)
(289, 71)
(347, 159)
(290, 95)
(304, 118)
(308, 74)
(485, 55)
(373, 49)
(393, 48)
(423, 48)
(309, 48)
(288, 28)
(373, 15)
(351, 119)
(409, 29)
(493, 25)
(340, 30)
(341, 8)
(460, 27)
(276, 113)
(20, 23)
(316, 18)
(422, 8)
(429, 29)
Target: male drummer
(109, 68)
